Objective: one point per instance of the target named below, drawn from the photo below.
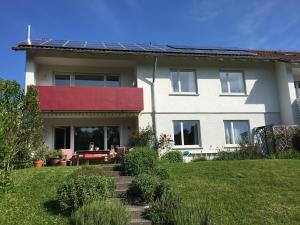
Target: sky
(247, 24)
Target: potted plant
(39, 156)
(54, 157)
(63, 161)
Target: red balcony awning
(57, 98)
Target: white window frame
(232, 132)
(228, 84)
(73, 74)
(179, 92)
(199, 145)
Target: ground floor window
(186, 132)
(62, 137)
(236, 131)
(100, 137)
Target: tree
(21, 126)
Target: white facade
(268, 99)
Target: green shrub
(161, 172)
(139, 160)
(6, 182)
(173, 156)
(101, 213)
(199, 159)
(75, 192)
(244, 151)
(88, 171)
(286, 154)
(170, 210)
(143, 187)
(144, 137)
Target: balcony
(58, 98)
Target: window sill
(187, 147)
(234, 94)
(231, 146)
(183, 94)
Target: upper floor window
(232, 82)
(96, 80)
(62, 80)
(236, 131)
(186, 132)
(183, 81)
(89, 80)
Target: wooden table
(85, 153)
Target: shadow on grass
(52, 206)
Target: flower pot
(53, 161)
(63, 162)
(38, 163)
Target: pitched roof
(156, 49)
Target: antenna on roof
(28, 35)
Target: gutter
(154, 125)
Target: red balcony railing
(57, 98)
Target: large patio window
(62, 137)
(101, 137)
(186, 132)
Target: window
(62, 137)
(232, 82)
(89, 80)
(85, 135)
(102, 137)
(62, 80)
(237, 131)
(183, 81)
(112, 81)
(186, 132)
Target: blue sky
(259, 24)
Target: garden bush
(143, 188)
(6, 182)
(88, 171)
(170, 210)
(162, 172)
(173, 156)
(101, 213)
(139, 160)
(286, 154)
(75, 192)
(244, 151)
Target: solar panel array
(135, 47)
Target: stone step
(140, 222)
(123, 178)
(112, 173)
(120, 192)
(122, 185)
(136, 211)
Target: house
(205, 98)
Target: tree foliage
(21, 126)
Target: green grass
(32, 200)
(237, 192)
(242, 192)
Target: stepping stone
(140, 222)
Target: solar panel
(75, 44)
(138, 47)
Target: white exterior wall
(287, 93)
(260, 105)
(30, 71)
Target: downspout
(153, 95)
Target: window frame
(199, 145)
(179, 92)
(105, 133)
(65, 136)
(227, 82)
(72, 76)
(234, 144)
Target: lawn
(242, 192)
(237, 192)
